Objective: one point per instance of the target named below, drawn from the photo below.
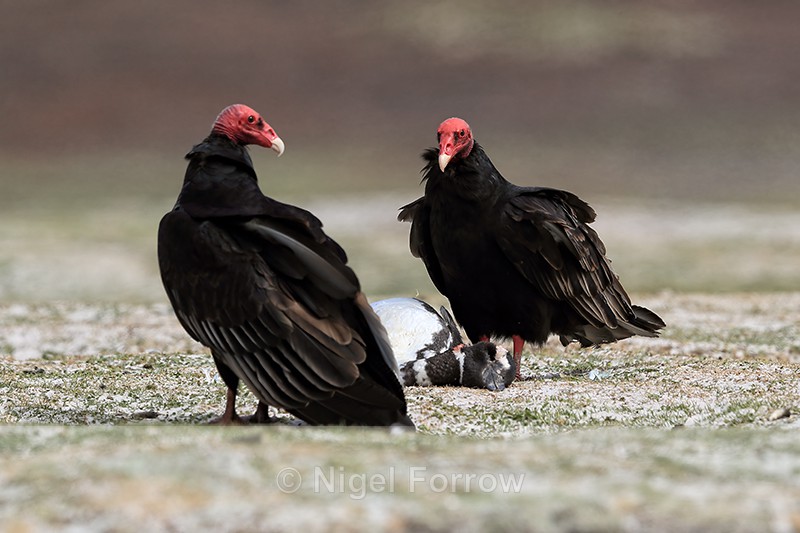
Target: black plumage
(514, 261)
(259, 283)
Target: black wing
(418, 213)
(545, 233)
(285, 313)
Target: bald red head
(243, 125)
(455, 141)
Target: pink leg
(230, 417)
(519, 344)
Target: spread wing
(545, 233)
(284, 312)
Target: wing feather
(418, 213)
(280, 309)
(553, 247)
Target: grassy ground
(723, 360)
(692, 431)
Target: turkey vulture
(519, 262)
(259, 283)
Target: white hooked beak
(443, 160)
(277, 146)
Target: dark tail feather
(645, 323)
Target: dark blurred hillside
(686, 99)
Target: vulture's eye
(461, 133)
(251, 119)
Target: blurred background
(678, 121)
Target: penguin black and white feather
(430, 350)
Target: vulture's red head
(455, 141)
(243, 125)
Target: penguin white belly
(429, 350)
(415, 330)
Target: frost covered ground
(724, 360)
(104, 409)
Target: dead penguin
(430, 351)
